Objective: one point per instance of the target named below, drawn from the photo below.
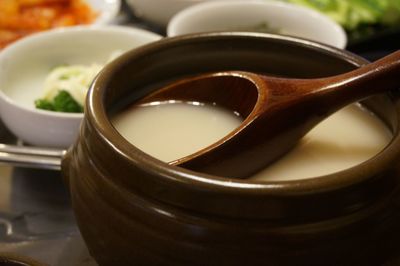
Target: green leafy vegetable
(62, 102)
(360, 18)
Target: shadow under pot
(133, 209)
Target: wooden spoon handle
(376, 77)
(332, 93)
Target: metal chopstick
(31, 157)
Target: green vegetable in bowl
(62, 102)
(360, 18)
(65, 88)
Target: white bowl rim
(195, 8)
(37, 37)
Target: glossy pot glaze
(135, 210)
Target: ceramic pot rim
(96, 114)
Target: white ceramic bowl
(159, 12)
(25, 64)
(107, 10)
(281, 17)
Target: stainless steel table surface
(36, 218)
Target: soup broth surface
(171, 131)
(343, 140)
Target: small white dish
(276, 17)
(25, 64)
(159, 12)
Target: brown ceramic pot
(135, 210)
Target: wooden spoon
(277, 112)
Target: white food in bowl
(288, 19)
(26, 63)
(107, 10)
(75, 80)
